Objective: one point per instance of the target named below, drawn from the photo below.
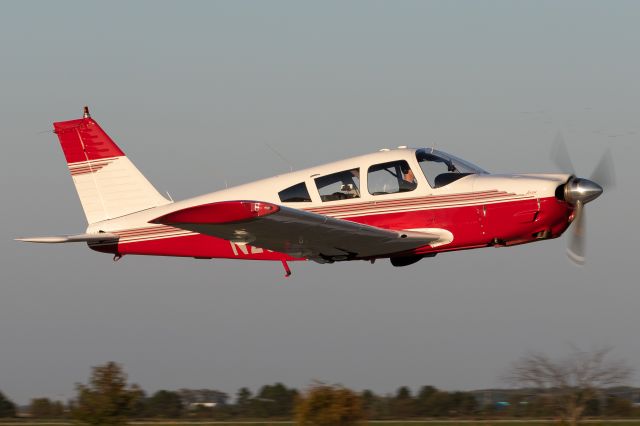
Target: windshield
(441, 168)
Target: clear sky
(193, 92)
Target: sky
(196, 92)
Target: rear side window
(295, 194)
(339, 186)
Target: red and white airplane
(404, 204)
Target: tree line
(276, 401)
(108, 395)
(568, 390)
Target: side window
(339, 186)
(432, 170)
(441, 168)
(391, 178)
(295, 194)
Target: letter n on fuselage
(245, 249)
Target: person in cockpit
(408, 182)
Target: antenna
(282, 157)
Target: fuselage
(478, 209)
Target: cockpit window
(295, 194)
(390, 178)
(339, 186)
(441, 168)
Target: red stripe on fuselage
(419, 201)
(472, 226)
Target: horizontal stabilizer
(80, 238)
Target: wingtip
(221, 212)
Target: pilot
(408, 182)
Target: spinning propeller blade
(576, 243)
(604, 173)
(580, 191)
(560, 154)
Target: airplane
(404, 204)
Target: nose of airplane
(582, 190)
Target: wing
(295, 232)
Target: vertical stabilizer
(108, 183)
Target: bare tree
(569, 383)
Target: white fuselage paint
(510, 187)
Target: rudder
(108, 183)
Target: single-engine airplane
(404, 204)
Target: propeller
(579, 191)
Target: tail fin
(108, 184)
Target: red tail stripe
(86, 165)
(145, 231)
(84, 139)
(157, 237)
(85, 170)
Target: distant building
(196, 405)
(501, 397)
(205, 398)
